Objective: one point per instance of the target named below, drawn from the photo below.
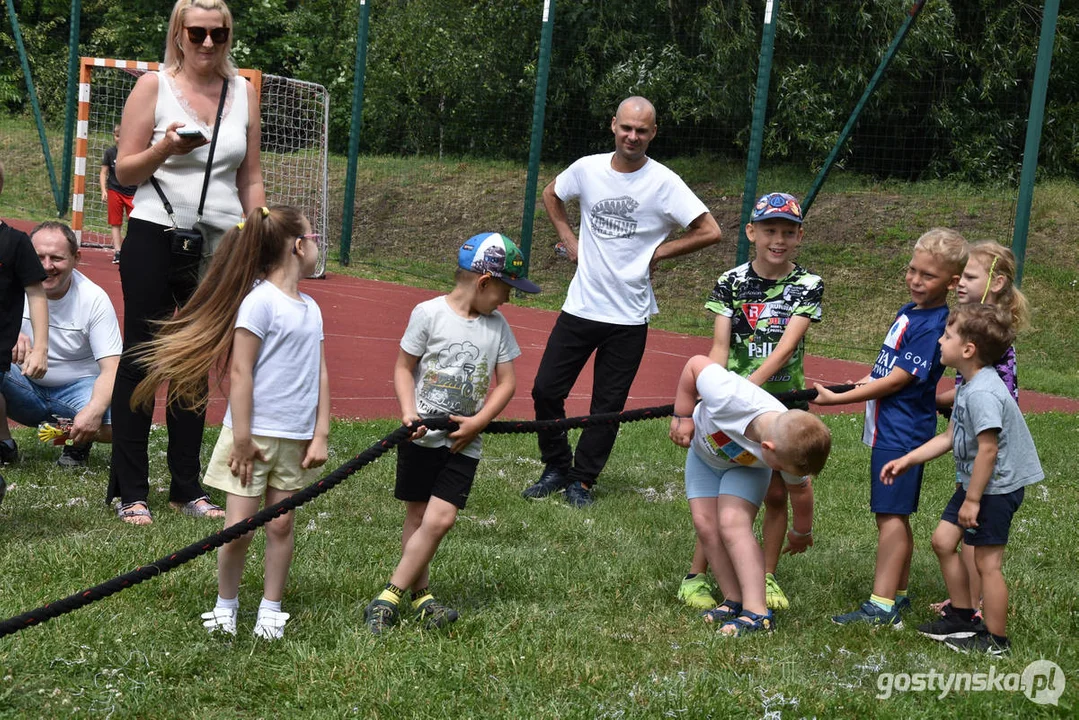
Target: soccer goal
(295, 128)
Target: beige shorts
(281, 470)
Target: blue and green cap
(496, 255)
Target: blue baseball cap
(496, 255)
(777, 205)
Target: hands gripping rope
(57, 434)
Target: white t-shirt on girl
(287, 370)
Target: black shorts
(994, 516)
(423, 473)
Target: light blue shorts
(705, 481)
(31, 404)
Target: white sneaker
(221, 620)
(270, 624)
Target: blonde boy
(737, 435)
(900, 415)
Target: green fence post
(756, 133)
(1034, 136)
(539, 107)
(358, 76)
(72, 98)
(912, 15)
(17, 34)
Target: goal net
(295, 127)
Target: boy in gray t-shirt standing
(995, 460)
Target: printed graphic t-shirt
(759, 310)
(908, 418)
(457, 360)
(624, 218)
(729, 403)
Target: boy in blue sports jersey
(901, 415)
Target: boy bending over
(737, 435)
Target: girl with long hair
(250, 316)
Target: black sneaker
(951, 626)
(551, 481)
(981, 642)
(435, 615)
(9, 452)
(578, 495)
(380, 616)
(116, 258)
(75, 456)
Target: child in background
(118, 198)
(989, 278)
(737, 435)
(21, 275)
(277, 425)
(995, 459)
(901, 414)
(763, 310)
(452, 346)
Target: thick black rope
(368, 456)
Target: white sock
(231, 604)
(274, 605)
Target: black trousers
(155, 285)
(619, 349)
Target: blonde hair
(987, 327)
(802, 440)
(174, 49)
(999, 261)
(199, 337)
(947, 246)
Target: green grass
(411, 215)
(565, 613)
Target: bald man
(629, 205)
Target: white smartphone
(188, 133)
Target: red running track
(364, 320)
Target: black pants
(619, 349)
(154, 287)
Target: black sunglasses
(197, 35)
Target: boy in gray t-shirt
(995, 460)
(450, 351)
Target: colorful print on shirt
(760, 310)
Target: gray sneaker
(75, 456)
(380, 616)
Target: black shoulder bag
(187, 242)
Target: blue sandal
(726, 610)
(748, 622)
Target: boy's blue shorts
(899, 498)
(994, 516)
(705, 481)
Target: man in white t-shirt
(629, 205)
(84, 351)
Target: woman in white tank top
(184, 96)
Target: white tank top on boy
(286, 373)
(624, 218)
(729, 403)
(181, 176)
(457, 361)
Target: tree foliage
(458, 76)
